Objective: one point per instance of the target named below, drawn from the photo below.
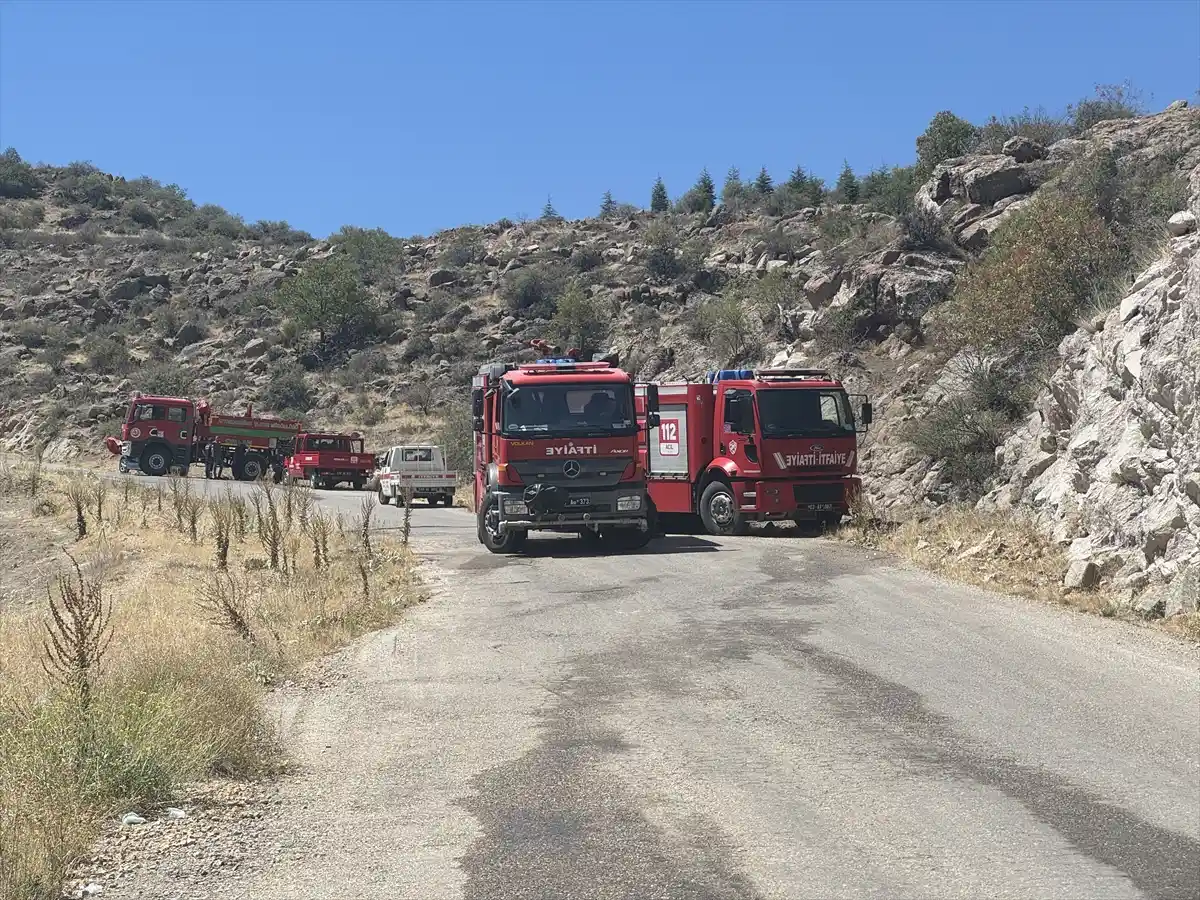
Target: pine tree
(608, 206)
(798, 180)
(660, 201)
(706, 189)
(733, 187)
(847, 185)
(763, 183)
(549, 213)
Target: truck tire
(314, 481)
(447, 500)
(627, 538)
(384, 499)
(253, 467)
(512, 542)
(719, 512)
(156, 460)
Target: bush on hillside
(581, 321)
(1043, 266)
(18, 181)
(663, 250)
(107, 356)
(964, 432)
(82, 182)
(1037, 125)
(22, 216)
(287, 393)
(327, 298)
(1110, 101)
(726, 328)
(457, 438)
(946, 137)
(532, 291)
(924, 229)
(280, 232)
(140, 214)
(463, 250)
(891, 190)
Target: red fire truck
(556, 448)
(164, 433)
(327, 460)
(754, 445)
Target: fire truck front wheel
(719, 512)
(156, 460)
(489, 531)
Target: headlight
(515, 508)
(126, 448)
(628, 504)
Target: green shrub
(701, 197)
(532, 291)
(924, 229)
(964, 439)
(17, 178)
(419, 346)
(891, 190)
(107, 356)
(464, 249)
(167, 378)
(585, 258)
(582, 322)
(1110, 101)
(1037, 125)
(280, 232)
(82, 182)
(288, 393)
(663, 243)
(1043, 266)
(326, 298)
(376, 255)
(947, 137)
(141, 214)
(365, 365)
(725, 328)
(457, 438)
(22, 216)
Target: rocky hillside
(907, 285)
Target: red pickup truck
(327, 460)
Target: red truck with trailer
(754, 445)
(161, 434)
(556, 448)
(326, 460)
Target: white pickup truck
(418, 469)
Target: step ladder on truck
(754, 445)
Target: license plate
(579, 501)
(820, 506)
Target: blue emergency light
(566, 360)
(730, 375)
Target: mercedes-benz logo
(817, 448)
(571, 468)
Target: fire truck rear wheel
(253, 468)
(156, 460)
(384, 499)
(314, 481)
(718, 510)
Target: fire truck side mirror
(868, 414)
(652, 398)
(477, 402)
(653, 420)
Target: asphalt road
(739, 718)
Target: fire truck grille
(589, 473)
(818, 493)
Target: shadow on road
(571, 547)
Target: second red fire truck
(754, 445)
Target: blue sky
(420, 116)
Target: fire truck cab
(755, 445)
(556, 448)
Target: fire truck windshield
(804, 413)
(570, 410)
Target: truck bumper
(625, 507)
(766, 500)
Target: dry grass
(1000, 551)
(178, 695)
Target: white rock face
(1111, 460)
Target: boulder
(439, 277)
(1182, 223)
(1023, 149)
(822, 287)
(188, 333)
(255, 347)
